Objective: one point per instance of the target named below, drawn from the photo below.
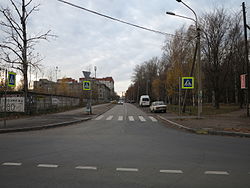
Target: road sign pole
(180, 83)
(246, 56)
(89, 100)
(5, 98)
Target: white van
(144, 100)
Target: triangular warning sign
(188, 83)
(12, 80)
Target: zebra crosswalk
(126, 118)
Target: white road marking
(86, 167)
(99, 117)
(11, 164)
(172, 171)
(216, 172)
(120, 118)
(152, 119)
(131, 118)
(127, 169)
(109, 118)
(141, 118)
(47, 166)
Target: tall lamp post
(198, 53)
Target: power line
(115, 19)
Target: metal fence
(37, 102)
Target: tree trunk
(24, 56)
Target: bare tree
(17, 47)
(215, 48)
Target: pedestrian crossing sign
(86, 85)
(11, 79)
(187, 83)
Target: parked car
(144, 100)
(158, 106)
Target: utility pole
(246, 55)
(198, 46)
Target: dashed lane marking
(11, 164)
(152, 119)
(131, 118)
(47, 166)
(172, 171)
(216, 173)
(109, 118)
(99, 117)
(142, 118)
(127, 169)
(120, 118)
(86, 167)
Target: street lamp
(198, 54)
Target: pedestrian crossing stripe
(152, 119)
(187, 83)
(110, 118)
(141, 118)
(121, 118)
(131, 118)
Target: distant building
(44, 86)
(108, 81)
(70, 87)
(66, 80)
(103, 87)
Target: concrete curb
(205, 131)
(53, 125)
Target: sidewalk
(52, 120)
(231, 124)
(234, 124)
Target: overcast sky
(86, 40)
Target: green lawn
(207, 109)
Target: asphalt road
(122, 148)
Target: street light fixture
(198, 54)
(173, 14)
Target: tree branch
(11, 21)
(28, 3)
(11, 49)
(35, 8)
(14, 5)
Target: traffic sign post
(87, 87)
(187, 82)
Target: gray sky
(86, 40)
